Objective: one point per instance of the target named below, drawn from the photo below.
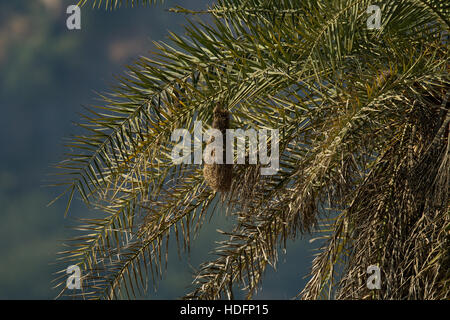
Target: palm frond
(354, 108)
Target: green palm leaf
(360, 113)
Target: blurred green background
(47, 73)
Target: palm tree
(364, 151)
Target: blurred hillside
(47, 73)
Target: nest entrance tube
(219, 176)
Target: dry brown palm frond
(398, 219)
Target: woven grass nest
(219, 176)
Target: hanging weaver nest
(218, 176)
